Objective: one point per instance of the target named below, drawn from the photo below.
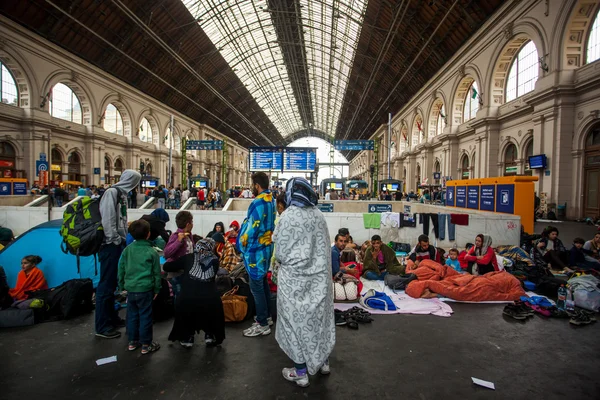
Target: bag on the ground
(398, 282)
(235, 307)
(82, 230)
(14, 317)
(68, 300)
(346, 288)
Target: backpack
(82, 230)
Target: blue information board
(473, 197)
(461, 196)
(354, 144)
(505, 199)
(379, 208)
(265, 159)
(299, 159)
(487, 197)
(450, 196)
(326, 207)
(5, 188)
(19, 188)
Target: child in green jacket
(139, 275)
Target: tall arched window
(510, 160)
(465, 173)
(167, 140)
(523, 72)
(8, 160)
(64, 104)
(417, 132)
(176, 143)
(113, 122)
(8, 87)
(471, 102)
(441, 121)
(145, 131)
(403, 139)
(593, 45)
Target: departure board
(265, 159)
(299, 159)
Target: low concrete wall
(16, 201)
(503, 228)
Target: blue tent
(44, 240)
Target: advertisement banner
(461, 196)
(505, 199)
(450, 196)
(473, 197)
(19, 188)
(487, 197)
(5, 188)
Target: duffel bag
(235, 307)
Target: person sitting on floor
(591, 247)
(158, 220)
(551, 250)
(228, 258)
(379, 260)
(578, 258)
(424, 251)
(452, 261)
(336, 250)
(232, 233)
(481, 257)
(5, 299)
(30, 278)
(219, 227)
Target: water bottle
(562, 297)
(570, 300)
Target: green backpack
(82, 230)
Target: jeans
(59, 201)
(442, 227)
(139, 316)
(373, 276)
(175, 286)
(262, 299)
(161, 203)
(106, 315)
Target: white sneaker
(257, 330)
(325, 370)
(187, 345)
(290, 375)
(269, 321)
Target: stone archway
(21, 76)
(576, 33)
(462, 91)
(437, 114)
(502, 67)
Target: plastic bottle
(570, 300)
(562, 297)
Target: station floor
(400, 356)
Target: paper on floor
(106, 360)
(483, 383)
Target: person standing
(305, 325)
(113, 208)
(256, 245)
(185, 195)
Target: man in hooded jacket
(113, 208)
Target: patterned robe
(257, 232)
(305, 320)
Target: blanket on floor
(493, 286)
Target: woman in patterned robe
(305, 318)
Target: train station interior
(455, 119)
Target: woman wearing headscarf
(305, 318)
(198, 304)
(481, 256)
(158, 220)
(219, 227)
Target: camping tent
(44, 240)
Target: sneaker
(325, 369)
(188, 344)
(133, 345)
(269, 321)
(209, 340)
(291, 375)
(340, 319)
(150, 348)
(257, 330)
(109, 334)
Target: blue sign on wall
(379, 208)
(19, 188)
(505, 199)
(487, 197)
(299, 159)
(450, 196)
(461, 196)
(96, 171)
(473, 197)
(40, 166)
(5, 188)
(327, 207)
(265, 159)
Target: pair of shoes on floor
(352, 317)
(150, 348)
(518, 311)
(210, 341)
(257, 330)
(301, 378)
(580, 317)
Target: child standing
(180, 244)
(139, 274)
(452, 261)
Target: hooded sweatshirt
(113, 207)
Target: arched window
(510, 160)
(8, 160)
(8, 87)
(393, 147)
(145, 131)
(465, 172)
(176, 143)
(167, 140)
(74, 167)
(403, 139)
(417, 132)
(528, 153)
(64, 104)
(441, 121)
(523, 72)
(113, 122)
(56, 166)
(471, 102)
(593, 45)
